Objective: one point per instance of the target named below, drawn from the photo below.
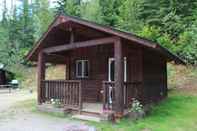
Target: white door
(111, 75)
(111, 69)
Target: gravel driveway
(9, 99)
(23, 120)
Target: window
(82, 68)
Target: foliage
(127, 19)
(154, 34)
(187, 45)
(136, 106)
(172, 23)
(56, 103)
(91, 10)
(172, 16)
(43, 16)
(19, 29)
(70, 7)
(110, 11)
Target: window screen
(82, 68)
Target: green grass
(177, 113)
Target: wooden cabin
(5, 77)
(104, 67)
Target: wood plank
(71, 35)
(75, 45)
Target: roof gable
(125, 35)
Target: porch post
(41, 75)
(119, 78)
(67, 73)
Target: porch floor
(93, 107)
(87, 107)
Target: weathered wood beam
(54, 58)
(88, 43)
(119, 78)
(41, 75)
(71, 35)
(58, 20)
(67, 72)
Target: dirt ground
(12, 119)
(9, 99)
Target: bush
(136, 111)
(187, 45)
(136, 106)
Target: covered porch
(100, 75)
(104, 68)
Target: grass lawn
(177, 113)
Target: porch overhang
(75, 45)
(104, 33)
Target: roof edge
(38, 42)
(125, 35)
(171, 55)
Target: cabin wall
(154, 76)
(98, 70)
(143, 66)
(134, 62)
(134, 70)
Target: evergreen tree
(110, 11)
(4, 14)
(91, 10)
(70, 7)
(172, 16)
(43, 15)
(128, 18)
(28, 27)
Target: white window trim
(83, 68)
(109, 68)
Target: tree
(187, 45)
(4, 14)
(70, 7)
(91, 10)
(172, 16)
(128, 16)
(43, 16)
(110, 11)
(28, 27)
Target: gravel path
(23, 120)
(9, 99)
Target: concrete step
(86, 117)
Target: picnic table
(8, 86)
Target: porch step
(87, 118)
